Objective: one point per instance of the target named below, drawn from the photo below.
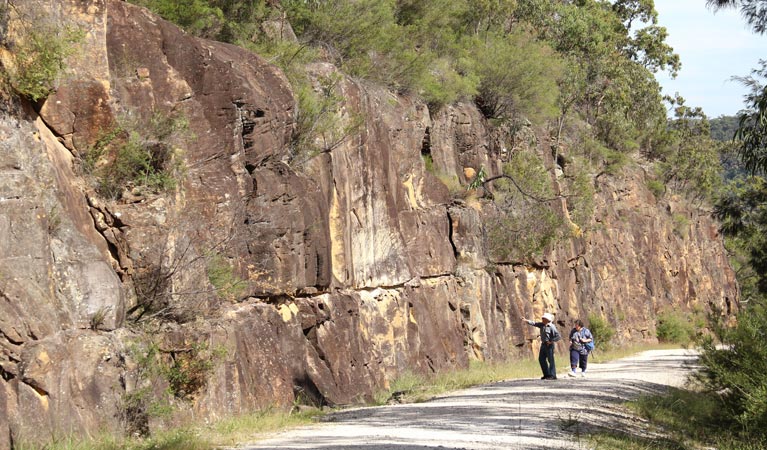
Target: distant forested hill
(723, 128)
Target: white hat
(549, 317)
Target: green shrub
(321, 125)
(38, 58)
(657, 187)
(189, 369)
(198, 17)
(186, 370)
(518, 76)
(674, 327)
(735, 367)
(691, 418)
(525, 224)
(453, 184)
(221, 275)
(602, 330)
(681, 225)
(579, 186)
(428, 163)
(138, 154)
(377, 40)
(608, 160)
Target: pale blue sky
(713, 48)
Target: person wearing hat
(549, 335)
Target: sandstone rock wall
(357, 264)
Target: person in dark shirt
(549, 335)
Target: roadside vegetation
(725, 406)
(408, 388)
(228, 432)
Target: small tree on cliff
(37, 52)
(525, 223)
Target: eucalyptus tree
(754, 11)
(751, 135)
(735, 372)
(752, 125)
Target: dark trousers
(578, 359)
(546, 360)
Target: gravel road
(516, 414)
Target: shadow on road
(516, 414)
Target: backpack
(589, 345)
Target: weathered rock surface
(355, 264)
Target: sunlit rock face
(343, 267)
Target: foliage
(602, 330)
(99, 317)
(152, 284)
(321, 125)
(428, 164)
(735, 370)
(687, 158)
(610, 83)
(136, 405)
(137, 154)
(221, 275)
(743, 216)
(38, 58)
(723, 128)
(453, 184)
(754, 11)
(673, 326)
(189, 369)
(608, 160)
(183, 370)
(518, 77)
(199, 17)
(689, 419)
(589, 60)
(526, 222)
(408, 47)
(681, 225)
(752, 122)
(580, 190)
(657, 187)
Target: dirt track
(517, 414)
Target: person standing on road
(579, 352)
(549, 335)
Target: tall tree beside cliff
(752, 122)
(754, 11)
(752, 129)
(736, 373)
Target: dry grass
(408, 388)
(416, 388)
(220, 434)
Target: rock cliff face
(352, 266)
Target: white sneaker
(583, 375)
(571, 374)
